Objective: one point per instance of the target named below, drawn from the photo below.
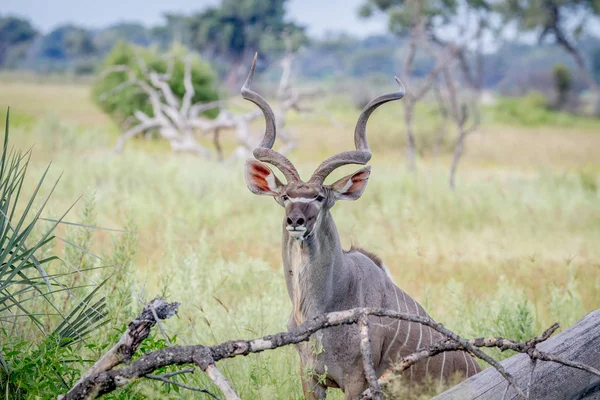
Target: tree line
(230, 33)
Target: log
(580, 343)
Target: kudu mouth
(264, 151)
(298, 232)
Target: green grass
(533, 110)
(514, 249)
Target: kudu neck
(322, 246)
(312, 266)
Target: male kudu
(321, 277)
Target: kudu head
(306, 202)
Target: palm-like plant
(24, 280)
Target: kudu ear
(351, 187)
(261, 180)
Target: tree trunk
(580, 62)
(456, 155)
(410, 137)
(441, 134)
(579, 343)
(233, 77)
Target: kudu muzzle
(296, 223)
(300, 219)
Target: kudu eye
(320, 198)
(284, 198)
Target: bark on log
(580, 343)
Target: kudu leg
(312, 389)
(354, 387)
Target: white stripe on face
(301, 199)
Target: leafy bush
(531, 110)
(38, 371)
(121, 101)
(562, 83)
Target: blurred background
(483, 201)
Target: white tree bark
(579, 343)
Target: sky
(319, 16)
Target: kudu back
(321, 277)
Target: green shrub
(40, 330)
(38, 371)
(532, 110)
(121, 101)
(562, 83)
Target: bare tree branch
(365, 347)
(533, 364)
(168, 119)
(217, 143)
(165, 378)
(136, 130)
(189, 87)
(444, 55)
(137, 331)
(460, 114)
(94, 385)
(201, 107)
(222, 383)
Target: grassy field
(515, 248)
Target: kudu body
(321, 277)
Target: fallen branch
(566, 364)
(453, 345)
(165, 378)
(137, 331)
(96, 384)
(365, 347)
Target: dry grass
(515, 248)
(71, 102)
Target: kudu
(321, 277)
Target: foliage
(38, 371)
(30, 289)
(121, 283)
(531, 110)
(548, 16)
(562, 21)
(23, 275)
(15, 30)
(67, 42)
(15, 35)
(562, 83)
(121, 102)
(436, 13)
(134, 33)
(519, 243)
(595, 61)
(237, 28)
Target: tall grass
(38, 332)
(513, 250)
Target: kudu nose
(295, 221)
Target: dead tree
(416, 94)
(445, 55)
(288, 98)
(574, 349)
(445, 117)
(459, 103)
(175, 120)
(465, 115)
(543, 380)
(468, 43)
(179, 122)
